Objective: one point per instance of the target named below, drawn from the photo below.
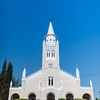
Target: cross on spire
(50, 19)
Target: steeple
(50, 29)
(90, 83)
(50, 49)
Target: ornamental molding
(86, 88)
(33, 75)
(51, 88)
(15, 88)
(68, 77)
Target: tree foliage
(21, 99)
(16, 82)
(97, 99)
(79, 99)
(61, 99)
(5, 87)
(2, 75)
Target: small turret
(24, 74)
(90, 83)
(57, 41)
(10, 84)
(77, 73)
(44, 41)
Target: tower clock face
(50, 65)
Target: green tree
(79, 99)
(61, 99)
(21, 99)
(97, 99)
(5, 87)
(16, 82)
(2, 75)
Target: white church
(51, 83)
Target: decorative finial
(90, 83)
(77, 73)
(11, 84)
(50, 19)
(44, 41)
(57, 41)
(24, 74)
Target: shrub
(21, 99)
(61, 99)
(79, 99)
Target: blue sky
(78, 21)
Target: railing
(34, 74)
(68, 75)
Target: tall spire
(50, 29)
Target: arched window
(48, 53)
(50, 81)
(53, 53)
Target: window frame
(50, 81)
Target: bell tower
(50, 56)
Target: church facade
(51, 83)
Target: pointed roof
(24, 71)
(57, 41)
(44, 41)
(77, 70)
(11, 84)
(50, 29)
(90, 83)
(77, 73)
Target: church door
(32, 97)
(50, 96)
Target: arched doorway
(87, 96)
(15, 96)
(32, 97)
(50, 96)
(69, 96)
